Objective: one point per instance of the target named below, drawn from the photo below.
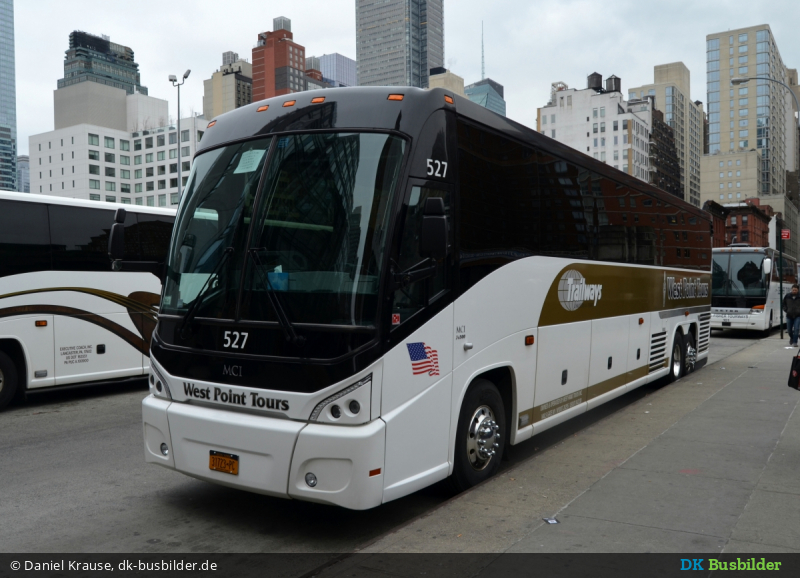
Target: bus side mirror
(116, 242)
(433, 237)
(767, 266)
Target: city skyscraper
(671, 88)
(756, 115)
(97, 59)
(23, 174)
(337, 69)
(8, 99)
(398, 41)
(488, 94)
(229, 87)
(279, 63)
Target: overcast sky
(529, 43)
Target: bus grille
(658, 346)
(703, 336)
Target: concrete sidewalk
(708, 464)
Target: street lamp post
(744, 80)
(174, 80)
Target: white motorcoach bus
(65, 318)
(372, 289)
(746, 287)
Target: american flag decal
(424, 359)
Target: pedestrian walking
(791, 306)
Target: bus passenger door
(416, 389)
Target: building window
(151, 201)
(111, 199)
(552, 134)
(138, 200)
(625, 124)
(137, 145)
(733, 220)
(110, 157)
(125, 188)
(124, 174)
(124, 145)
(149, 186)
(94, 169)
(594, 128)
(124, 160)
(160, 140)
(94, 184)
(162, 200)
(148, 158)
(184, 136)
(173, 168)
(173, 198)
(173, 153)
(148, 142)
(185, 164)
(137, 174)
(109, 142)
(93, 155)
(111, 186)
(185, 151)
(173, 183)
(162, 184)
(137, 188)
(94, 139)
(149, 172)
(94, 197)
(161, 155)
(111, 172)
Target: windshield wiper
(201, 295)
(280, 313)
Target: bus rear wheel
(8, 379)
(480, 437)
(677, 359)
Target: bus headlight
(349, 406)
(158, 385)
(757, 309)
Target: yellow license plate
(222, 462)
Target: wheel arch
(14, 349)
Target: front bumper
(758, 322)
(274, 454)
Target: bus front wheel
(481, 435)
(8, 379)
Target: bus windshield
(738, 275)
(316, 237)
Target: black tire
(471, 467)
(689, 354)
(677, 358)
(8, 380)
(768, 330)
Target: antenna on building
(483, 67)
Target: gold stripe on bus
(573, 399)
(584, 291)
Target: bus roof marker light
(317, 100)
(449, 99)
(212, 123)
(395, 97)
(262, 108)
(289, 103)
(529, 340)
(41, 324)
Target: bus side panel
(608, 371)
(638, 349)
(415, 404)
(562, 372)
(37, 345)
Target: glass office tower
(8, 99)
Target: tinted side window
(155, 232)
(80, 238)
(24, 238)
(499, 203)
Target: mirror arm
(413, 274)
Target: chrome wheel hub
(691, 358)
(676, 359)
(483, 439)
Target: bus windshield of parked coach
(738, 274)
(319, 234)
(214, 215)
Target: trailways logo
(234, 398)
(675, 289)
(573, 291)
